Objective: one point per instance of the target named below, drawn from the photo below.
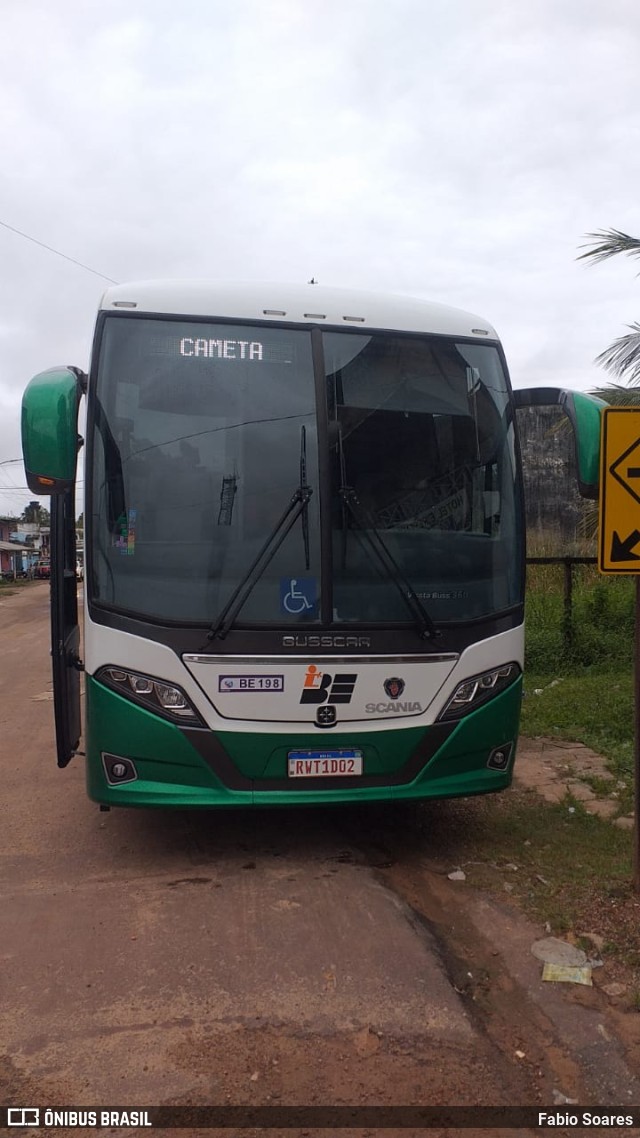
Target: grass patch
(567, 870)
(563, 866)
(574, 870)
(586, 707)
(9, 586)
(600, 630)
(579, 679)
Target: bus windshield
(199, 430)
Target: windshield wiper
(304, 486)
(366, 529)
(298, 505)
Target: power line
(7, 474)
(12, 488)
(57, 252)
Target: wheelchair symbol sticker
(298, 595)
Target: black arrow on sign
(621, 548)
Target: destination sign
(221, 349)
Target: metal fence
(568, 564)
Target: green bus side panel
(50, 430)
(171, 772)
(586, 419)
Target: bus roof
(297, 303)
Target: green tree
(622, 358)
(35, 514)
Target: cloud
(454, 151)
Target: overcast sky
(457, 150)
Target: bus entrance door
(65, 631)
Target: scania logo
(394, 687)
(304, 641)
(406, 707)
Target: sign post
(619, 547)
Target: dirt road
(305, 957)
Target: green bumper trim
(173, 770)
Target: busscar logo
(394, 687)
(307, 641)
(322, 687)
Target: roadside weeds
(566, 861)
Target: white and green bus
(304, 546)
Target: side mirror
(50, 441)
(584, 413)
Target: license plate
(324, 764)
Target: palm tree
(622, 357)
(32, 514)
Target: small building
(17, 553)
(32, 534)
(15, 559)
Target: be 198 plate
(324, 764)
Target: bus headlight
(156, 695)
(479, 689)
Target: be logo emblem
(321, 687)
(394, 687)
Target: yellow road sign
(619, 544)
